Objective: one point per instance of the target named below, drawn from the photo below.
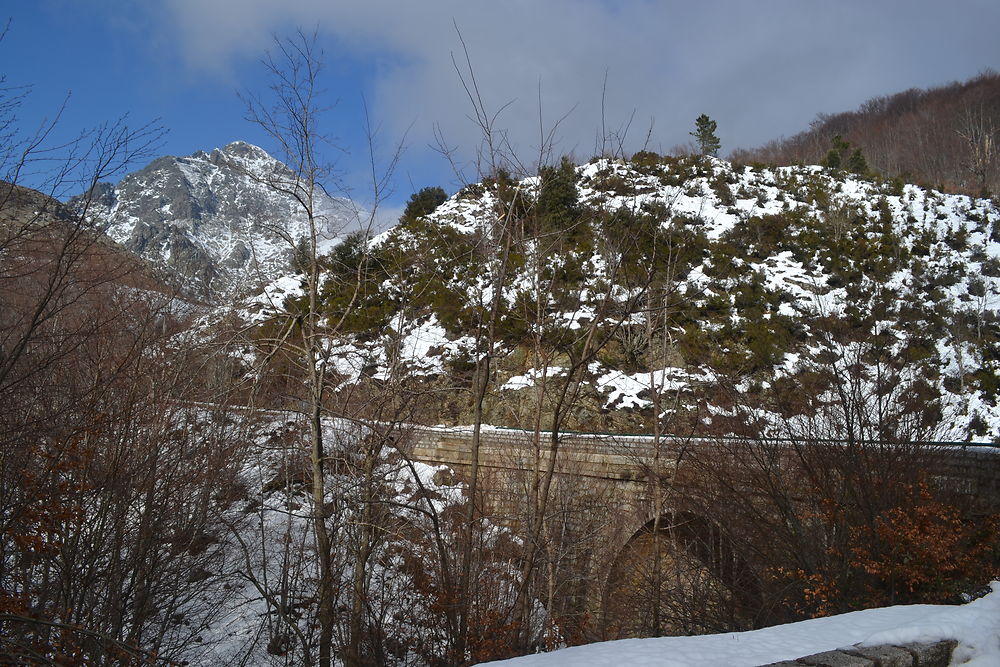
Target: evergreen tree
(832, 160)
(423, 202)
(836, 157)
(300, 255)
(857, 164)
(558, 199)
(704, 134)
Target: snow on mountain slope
(213, 219)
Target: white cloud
(760, 68)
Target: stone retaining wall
(937, 654)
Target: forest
(944, 137)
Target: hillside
(654, 295)
(39, 234)
(948, 136)
(712, 295)
(608, 408)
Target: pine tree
(835, 156)
(704, 134)
(856, 164)
(558, 199)
(423, 203)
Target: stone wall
(937, 654)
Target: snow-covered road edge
(975, 626)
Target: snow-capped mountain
(214, 219)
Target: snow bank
(975, 625)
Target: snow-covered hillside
(258, 606)
(764, 278)
(216, 218)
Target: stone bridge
(608, 494)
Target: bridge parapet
(972, 469)
(606, 456)
(617, 474)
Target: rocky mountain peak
(241, 149)
(208, 218)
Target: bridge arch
(677, 574)
(634, 574)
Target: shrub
(647, 162)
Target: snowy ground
(975, 625)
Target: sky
(555, 75)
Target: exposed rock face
(22, 206)
(213, 219)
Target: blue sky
(761, 69)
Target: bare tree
(350, 432)
(106, 508)
(819, 467)
(291, 117)
(939, 136)
(983, 152)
